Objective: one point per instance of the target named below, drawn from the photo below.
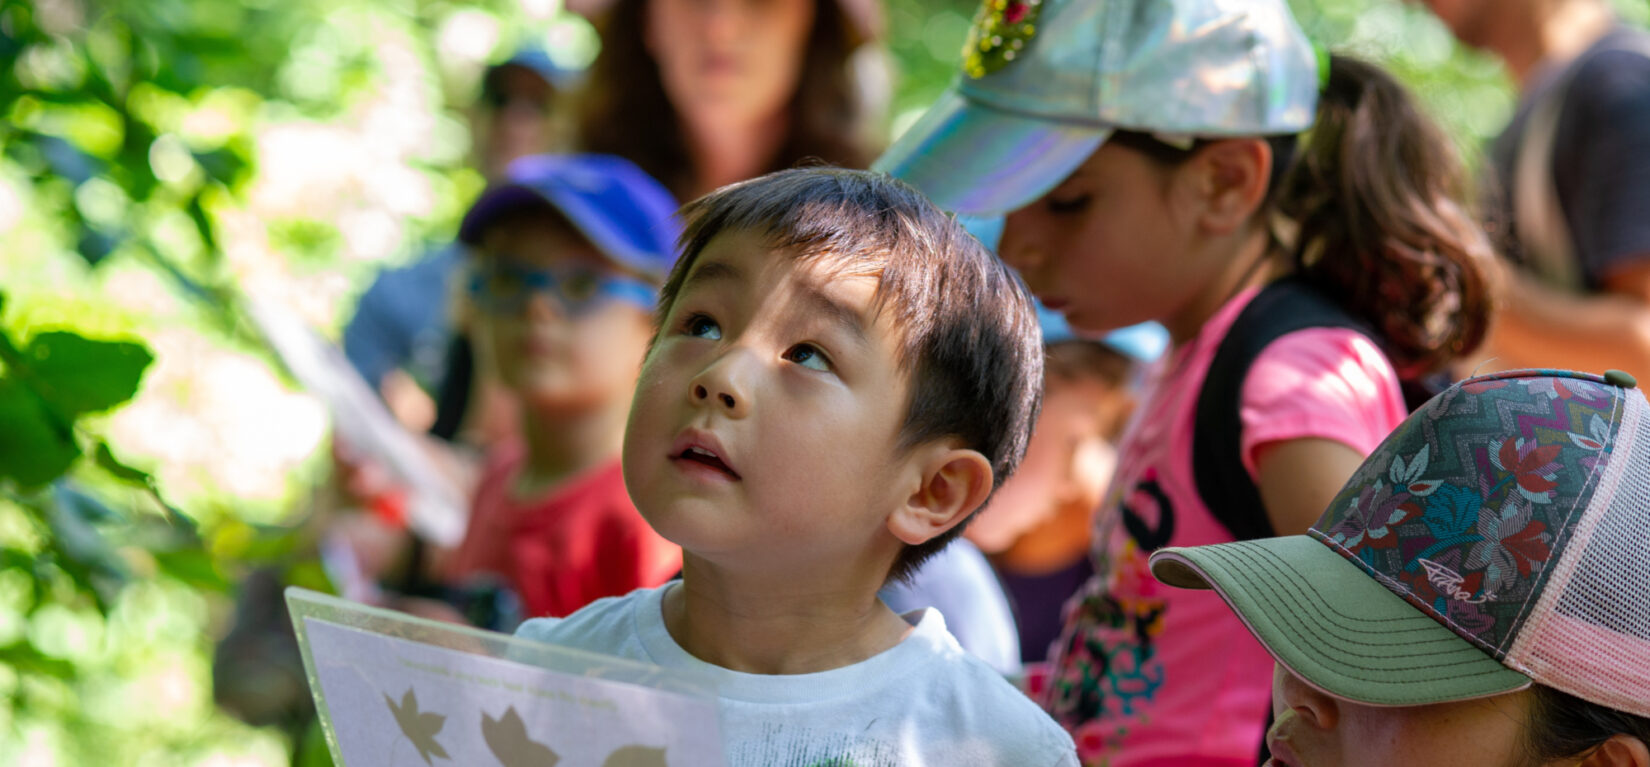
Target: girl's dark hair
(1377, 193)
(625, 110)
(1562, 726)
(1376, 218)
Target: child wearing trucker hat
(1147, 153)
(1478, 592)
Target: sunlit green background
(160, 158)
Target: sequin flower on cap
(1002, 29)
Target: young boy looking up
(840, 378)
(568, 253)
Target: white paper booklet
(394, 690)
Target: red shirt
(580, 541)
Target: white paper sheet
(397, 690)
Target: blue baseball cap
(617, 206)
(535, 59)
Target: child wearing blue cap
(1147, 155)
(1037, 528)
(567, 254)
(841, 377)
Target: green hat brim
(1335, 626)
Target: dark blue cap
(535, 59)
(620, 209)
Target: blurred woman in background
(702, 93)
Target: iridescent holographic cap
(1497, 538)
(1044, 82)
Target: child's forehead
(750, 259)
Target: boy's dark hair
(971, 342)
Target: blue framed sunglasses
(504, 286)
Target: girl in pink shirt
(1149, 156)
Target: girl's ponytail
(1377, 194)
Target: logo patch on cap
(1001, 31)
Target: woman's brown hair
(625, 110)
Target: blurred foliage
(160, 157)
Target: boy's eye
(808, 356)
(503, 282)
(1069, 203)
(580, 284)
(700, 326)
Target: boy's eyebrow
(712, 271)
(838, 313)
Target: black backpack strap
(1280, 308)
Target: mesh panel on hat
(1590, 634)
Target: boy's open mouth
(702, 456)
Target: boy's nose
(720, 387)
(543, 306)
(727, 400)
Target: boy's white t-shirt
(922, 702)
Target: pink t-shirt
(1145, 674)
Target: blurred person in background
(1568, 182)
(567, 256)
(400, 336)
(406, 340)
(401, 341)
(1002, 584)
(703, 93)
(1036, 531)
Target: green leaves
(77, 375)
(35, 448)
(46, 386)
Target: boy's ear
(1232, 177)
(953, 483)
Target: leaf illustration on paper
(507, 738)
(636, 756)
(419, 727)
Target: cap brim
(970, 158)
(1335, 626)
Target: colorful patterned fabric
(1475, 499)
